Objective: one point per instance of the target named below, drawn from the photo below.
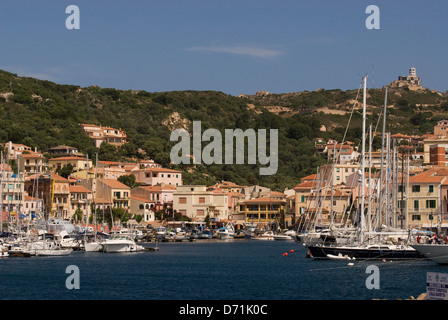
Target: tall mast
(363, 153)
(382, 161)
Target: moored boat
(121, 243)
(225, 233)
(435, 252)
(362, 252)
(268, 235)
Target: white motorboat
(225, 233)
(93, 246)
(268, 235)
(435, 252)
(288, 235)
(121, 243)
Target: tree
(129, 180)
(138, 218)
(77, 216)
(107, 152)
(65, 171)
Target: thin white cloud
(257, 52)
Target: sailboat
(364, 248)
(93, 244)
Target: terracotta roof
(32, 155)
(141, 199)
(263, 200)
(68, 158)
(400, 135)
(159, 170)
(430, 176)
(79, 189)
(310, 177)
(113, 183)
(306, 185)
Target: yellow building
(264, 209)
(78, 163)
(423, 198)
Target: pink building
(158, 176)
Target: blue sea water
(209, 270)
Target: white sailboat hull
(435, 252)
(53, 252)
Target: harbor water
(210, 270)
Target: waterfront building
(33, 207)
(264, 210)
(160, 195)
(144, 207)
(196, 203)
(80, 198)
(113, 192)
(424, 198)
(12, 193)
(55, 192)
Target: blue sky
(238, 47)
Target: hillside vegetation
(43, 114)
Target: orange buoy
(291, 251)
(285, 254)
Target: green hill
(43, 114)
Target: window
(430, 204)
(416, 217)
(201, 199)
(200, 212)
(182, 200)
(303, 198)
(416, 205)
(431, 188)
(415, 188)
